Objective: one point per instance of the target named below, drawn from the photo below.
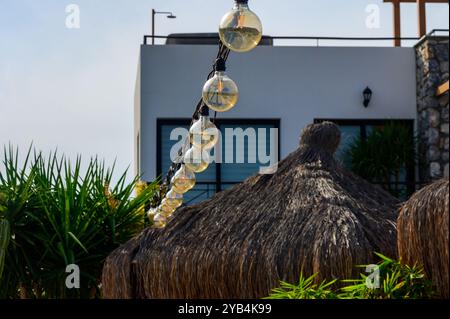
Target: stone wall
(432, 117)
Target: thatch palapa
(311, 215)
(423, 233)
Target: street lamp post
(169, 15)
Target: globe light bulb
(152, 213)
(174, 199)
(183, 180)
(196, 159)
(240, 29)
(203, 133)
(220, 93)
(159, 221)
(165, 209)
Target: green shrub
(384, 156)
(305, 289)
(397, 281)
(60, 216)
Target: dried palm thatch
(423, 233)
(311, 215)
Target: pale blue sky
(73, 88)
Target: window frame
(411, 181)
(160, 122)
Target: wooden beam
(422, 17)
(397, 24)
(421, 13)
(443, 88)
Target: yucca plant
(66, 217)
(18, 228)
(5, 235)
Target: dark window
(218, 176)
(353, 129)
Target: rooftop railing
(317, 40)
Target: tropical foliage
(305, 289)
(384, 156)
(396, 281)
(54, 214)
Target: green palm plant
(70, 217)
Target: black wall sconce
(367, 93)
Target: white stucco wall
(137, 120)
(294, 84)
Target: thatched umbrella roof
(423, 233)
(311, 215)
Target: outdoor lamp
(196, 159)
(159, 221)
(174, 199)
(240, 29)
(165, 209)
(169, 15)
(203, 133)
(220, 93)
(367, 93)
(152, 213)
(183, 180)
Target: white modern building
(280, 87)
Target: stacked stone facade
(432, 117)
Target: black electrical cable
(221, 58)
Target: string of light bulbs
(240, 30)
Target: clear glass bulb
(203, 133)
(174, 199)
(183, 180)
(220, 92)
(166, 209)
(152, 213)
(240, 29)
(196, 159)
(159, 221)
